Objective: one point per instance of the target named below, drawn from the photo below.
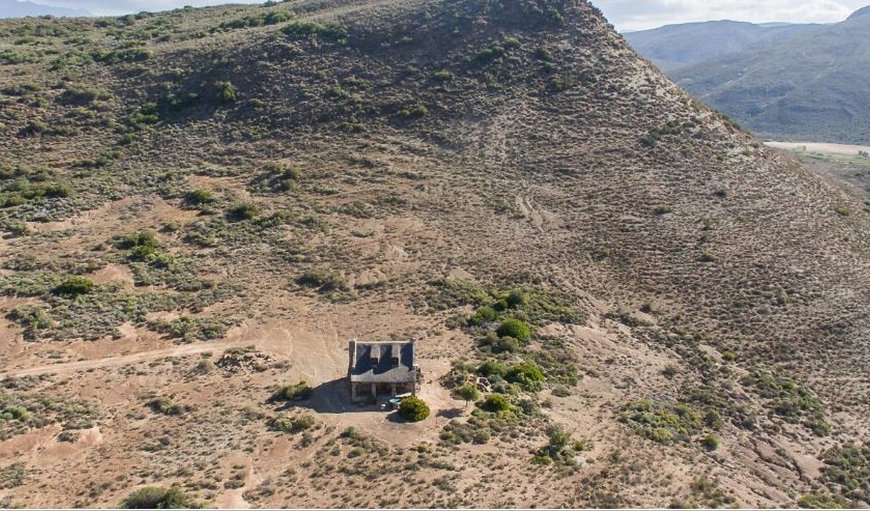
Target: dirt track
(82, 365)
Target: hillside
(674, 46)
(201, 207)
(16, 9)
(812, 87)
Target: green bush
(243, 212)
(489, 54)
(152, 497)
(79, 94)
(515, 328)
(414, 112)
(74, 286)
(199, 197)
(296, 424)
(165, 406)
(506, 344)
(443, 75)
(491, 368)
(495, 403)
(143, 245)
(526, 374)
(413, 409)
(176, 103)
(323, 281)
(131, 54)
(711, 442)
(560, 447)
(484, 314)
(297, 392)
(144, 238)
(273, 18)
(14, 413)
(225, 92)
(517, 299)
(307, 29)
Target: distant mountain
(16, 9)
(864, 11)
(674, 46)
(811, 86)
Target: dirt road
(816, 147)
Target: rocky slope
(203, 204)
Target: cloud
(643, 14)
(624, 14)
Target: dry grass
(326, 181)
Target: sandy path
(815, 147)
(83, 365)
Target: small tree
(468, 392)
(413, 409)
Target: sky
(624, 14)
(643, 14)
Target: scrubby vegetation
(74, 286)
(12, 475)
(292, 424)
(847, 471)
(324, 282)
(310, 29)
(560, 448)
(191, 329)
(166, 406)
(296, 392)
(465, 173)
(663, 422)
(791, 401)
(152, 497)
(495, 403)
(23, 411)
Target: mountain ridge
(864, 11)
(808, 86)
(672, 47)
(19, 9)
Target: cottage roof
(382, 362)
